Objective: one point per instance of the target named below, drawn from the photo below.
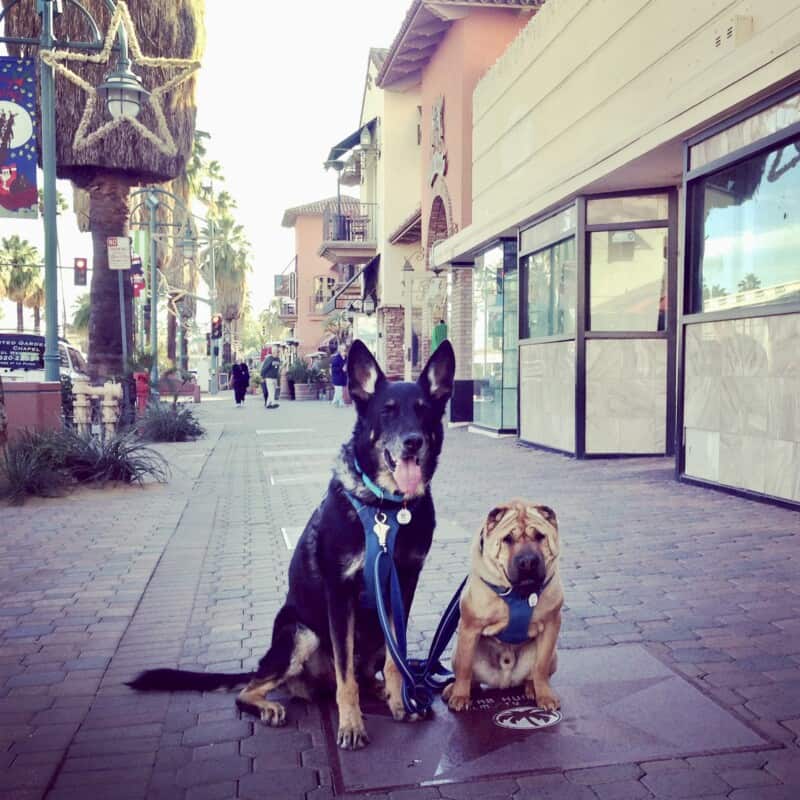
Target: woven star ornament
(162, 138)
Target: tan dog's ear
(494, 516)
(549, 516)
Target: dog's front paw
(545, 697)
(352, 736)
(457, 700)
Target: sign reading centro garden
(21, 352)
(119, 252)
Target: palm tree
(20, 271)
(80, 313)
(232, 262)
(123, 158)
(35, 300)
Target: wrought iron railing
(356, 223)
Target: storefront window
(550, 291)
(627, 208)
(628, 280)
(494, 367)
(747, 245)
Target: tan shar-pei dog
(510, 607)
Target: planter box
(305, 391)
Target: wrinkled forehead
(521, 520)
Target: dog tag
(533, 599)
(404, 516)
(381, 529)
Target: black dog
(323, 637)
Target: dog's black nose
(412, 444)
(527, 564)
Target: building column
(460, 334)
(393, 327)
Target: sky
(274, 104)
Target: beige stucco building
(644, 159)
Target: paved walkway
(99, 584)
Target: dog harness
(521, 606)
(421, 677)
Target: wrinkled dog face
(519, 541)
(399, 432)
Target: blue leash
(421, 677)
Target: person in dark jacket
(270, 371)
(241, 380)
(338, 375)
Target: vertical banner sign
(18, 125)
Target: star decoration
(162, 138)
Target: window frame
(693, 210)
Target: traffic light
(80, 271)
(208, 344)
(147, 314)
(216, 326)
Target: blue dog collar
(381, 494)
(520, 609)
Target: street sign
(119, 252)
(20, 351)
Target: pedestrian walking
(241, 380)
(270, 371)
(338, 374)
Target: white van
(22, 358)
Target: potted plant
(304, 379)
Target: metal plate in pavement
(619, 704)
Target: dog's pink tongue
(407, 475)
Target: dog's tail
(180, 680)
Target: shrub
(169, 422)
(116, 458)
(44, 464)
(33, 464)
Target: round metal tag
(404, 516)
(533, 599)
(526, 718)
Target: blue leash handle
(421, 677)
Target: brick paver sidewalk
(100, 584)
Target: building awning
(362, 286)
(348, 143)
(409, 230)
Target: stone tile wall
(626, 395)
(547, 394)
(742, 404)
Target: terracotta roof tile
(317, 208)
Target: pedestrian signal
(216, 326)
(208, 344)
(81, 266)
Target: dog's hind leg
(292, 645)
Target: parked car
(22, 358)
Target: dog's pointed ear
(438, 375)
(363, 373)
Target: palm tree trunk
(37, 319)
(20, 318)
(108, 217)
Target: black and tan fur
(323, 638)
(517, 547)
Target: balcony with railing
(350, 236)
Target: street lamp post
(121, 100)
